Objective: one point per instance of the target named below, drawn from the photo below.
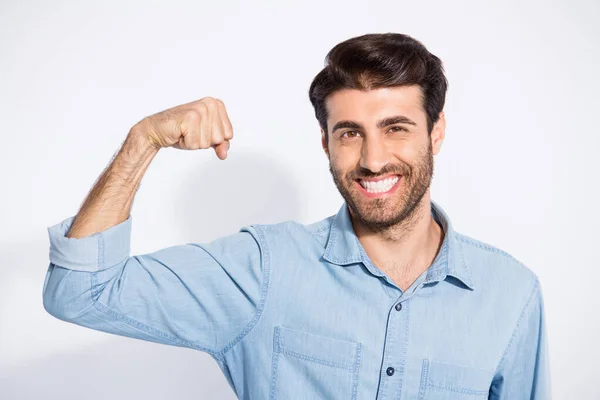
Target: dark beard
(374, 217)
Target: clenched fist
(197, 125)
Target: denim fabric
(293, 311)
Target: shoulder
(494, 267)
(293, 231)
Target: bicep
(193, 295)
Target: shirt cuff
(96, 252)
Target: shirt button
(390, 371)
(398, 306)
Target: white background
(517, 170)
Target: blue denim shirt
(293, 311)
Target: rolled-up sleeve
(201, 296)
(524, 372)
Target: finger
(205, 128)
(227, 128)
(221, 149)
(216, 126)
(189, 128)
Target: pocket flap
(458, 378)
(318, 348)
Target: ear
(324, 142)
(438, 133)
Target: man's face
(380, 153)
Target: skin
(396, 228)
(200, 124)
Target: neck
(406, 249)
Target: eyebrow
(396, 119)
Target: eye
(350, 134)
(398, 129)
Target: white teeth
(379, 186)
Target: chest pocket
(310, 366)
(440, 381)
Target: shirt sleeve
(201, 296)
(524, 371)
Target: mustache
(364, 173)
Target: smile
(379, 186)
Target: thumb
(221, 149)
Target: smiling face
(380, 153)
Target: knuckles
(190, 117)
(193, 117)
(211, 100)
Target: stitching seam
(457, 390)
(138, 325)
(487, 247)
(265, 260)
(424, 373)
(349, 367)
(534, 290)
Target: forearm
(109, 201)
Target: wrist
(134, 156)
(139, 138)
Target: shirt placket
(391, 376)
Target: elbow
(54, 308)
(66, 294)
(57, 307)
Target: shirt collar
(343, 248)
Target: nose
(374, 154)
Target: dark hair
(378, 60)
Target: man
(382, 300)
